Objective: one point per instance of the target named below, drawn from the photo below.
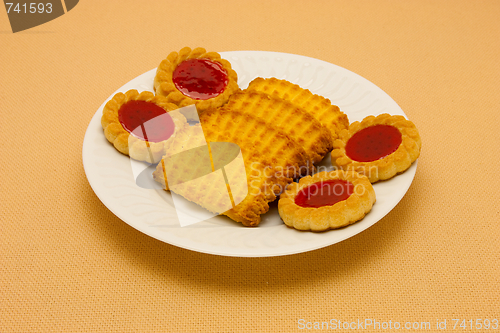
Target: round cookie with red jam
(141, 124)
(195, 77)
(326, 200)
(379, 147)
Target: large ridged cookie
(294, 121)
(321, 108)
(281, 151)
(247, 202)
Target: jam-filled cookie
(326, 200)
(141, 124)
(196, 77)
(379, 147)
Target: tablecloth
(68, 264)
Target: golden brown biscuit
(195, 77)
(319, 107)
(326, 200)
(265, 179)
(282, 151)
(140, 124)
(292, 120)
(262, 181)
(379, 147)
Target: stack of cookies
(233, 151)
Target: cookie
(379, 147)
(326, 200)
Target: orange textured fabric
(68, 264)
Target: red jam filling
(137, 118)
(325, 193)
(200, 78)
(373, 143)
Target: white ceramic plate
(151, 210)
